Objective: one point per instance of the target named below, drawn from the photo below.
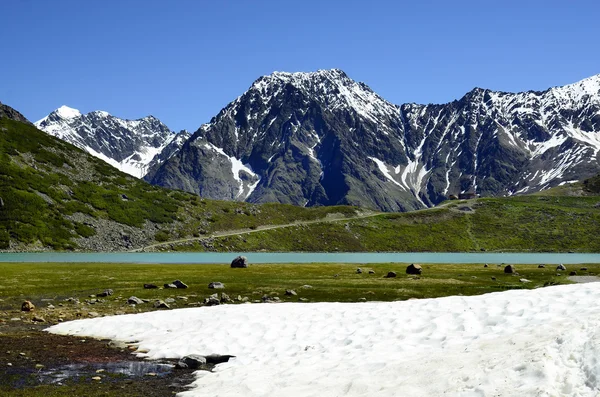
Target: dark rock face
(10, 113)
(239, 262)
(323, 139)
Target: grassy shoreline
(69, 291)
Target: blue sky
(184, 60)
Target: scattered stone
(179, 284)
(167, 286)
(169, 300)
(245, 299)
(486, 265)
(193, 361)
(38, 319)
(239, 298)
(371, 271)
(303, 299)
(212, 300)
(493, 278)
(93, 314)
(524, 280)
(583, 269)
(160, 304)
(51, 307)
(541, 266)
(151, 374)
(217, 358)
(414, 269)
(336, 275)
(96, 378)
(240, 262)
(362, 299)
(216, 284)
(134, 300)
(358, 271)
(572, 273)
(105, 293)
(150, 286)
(306, 286)
(290, 292)
(39, 366)
(225, 298)
(92, 295)
(391, 275)
(561, 267)
(509, 269)
(183, 298)
(27, 306)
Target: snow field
(543, 342)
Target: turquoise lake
(302, 257)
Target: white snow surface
(542, 342)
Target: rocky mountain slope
(321, 139)
(132, 146)
(54, 195)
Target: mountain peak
(66, 112)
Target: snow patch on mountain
(129, 145)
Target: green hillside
(524, 223)
(55, 196)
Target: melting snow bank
(543, 342)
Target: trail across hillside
(227, 233)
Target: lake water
(303, 257)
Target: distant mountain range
(132, 146)
(321, 138)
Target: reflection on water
(131, 369)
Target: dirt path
(258, 229)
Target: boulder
(150, 286)
(216, 284)
(212, 300)
(179, 284)
(290, 292)
(193, 361)
(573, 273)
(391, 275)
(27, 306)
(225, 298)
(134, 300)
(561, 267)
(106, 292)
(524, 280)
(170, 300)
(217, 358)
(159, 304)
(167, 286)
(239, 262)
(541, 266)
(358, 271)
(583, 269)
(509, 269)
(371, 271)
(414, 269)
(486, 265)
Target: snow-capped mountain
(321, 138)
(132, 146)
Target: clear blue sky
(183, 60)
